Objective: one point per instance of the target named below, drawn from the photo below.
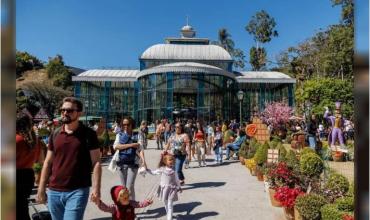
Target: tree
(25, 61)
(325, 92)
(225, 41)
(276, 114)
(261, 26)
(59, 72)
(327, 54)
(45, 96)
(257, 58)
(347, 10)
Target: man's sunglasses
(68, 110)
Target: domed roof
(186, 52)
(186, 67)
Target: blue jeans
(312, 141)
(68, 205)
(232, 147)
(179, 161)
(218, 154)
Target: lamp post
(87, 107)
(228, 83)
(240, 98)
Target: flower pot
(289, 213)
(241, 159)
(253, 171)
(259, 176)
(337, 156)
(274, 202)
(297, 216)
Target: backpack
(57, 131)
(126, 156)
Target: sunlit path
(223, 192)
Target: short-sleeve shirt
(72, 165)
(26, 156)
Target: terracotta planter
(297, 216)
(289, 213)
(241, 159)
(253, 171)
(274, 202)
(259, 175)
(337, 156)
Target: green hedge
(311, 164)
(309, 205)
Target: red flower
(348, 217)
(287, 196)
(281, 175)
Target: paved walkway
(213, 192)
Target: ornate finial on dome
(187, 31)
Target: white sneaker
(204, 164)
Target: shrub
(306, 150)
(346, 204)
(338, 184)
(331, 212)
(243, 149)
(282, 153)
(291, 159)
(287, 196)
(351, 190)
(309, 205)
(253, 146)
(261, 154)
(311, 164)
(37, 167)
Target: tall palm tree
(225, 41)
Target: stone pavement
(213, 192)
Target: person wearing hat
(337, 123)
(122, 208)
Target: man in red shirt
(73, 153)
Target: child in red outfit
(123, 208)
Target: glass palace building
(185, 77)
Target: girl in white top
(169, 185)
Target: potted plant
(278, 176)
(243, 152)
(37, 167)
(311, 164)
(306, 150)
(287, 196)
(337, 156)
(308, 206)
(337, 186)
(251, 165)
(333, 212)
(261, 157)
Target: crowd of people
(71, 159)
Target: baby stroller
(39, 215)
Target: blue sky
(113, 34)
